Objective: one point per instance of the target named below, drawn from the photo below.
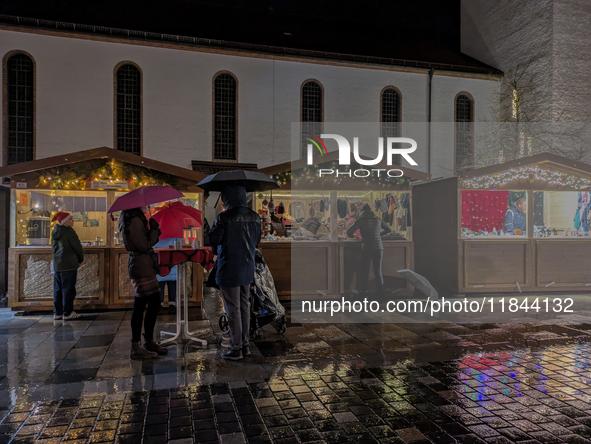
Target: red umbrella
(144, 196)
(172, 218)
(193, 212)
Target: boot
(232, 355)
(152, 346)
(139, 353)
(246, 351)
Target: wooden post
(334, 217)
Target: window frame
(5, 117)
(115, 113)
(455, 122)
(236, 121)
(302, 122)
(398, 157)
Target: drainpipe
(431, 71)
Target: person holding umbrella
(139, 238)
(235, 235)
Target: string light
(529, 173)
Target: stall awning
(332, 160)
(541, 171)
(216, 167)
(27, 170)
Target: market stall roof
(333, 156)
(21, 170)
(540, 171)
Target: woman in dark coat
(139, 238)
(371, 228)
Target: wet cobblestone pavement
(439, 383)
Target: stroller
(265, 307)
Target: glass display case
(494, 214)
(393, 207)
(562, 214)
(36, 208)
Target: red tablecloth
(168, 258)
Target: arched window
(129, 109)
(20, 109)
(464, 120)
(312, 111)
(225, 128)
(390, 117)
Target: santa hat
(62, 217)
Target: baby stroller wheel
(252, 334)
(223, 323)
(281, 325)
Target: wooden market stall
(84, 183)
(464, 245)
(328, 263)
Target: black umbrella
(250, 180)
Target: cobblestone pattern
(522, 397)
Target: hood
(515, 207)
(59, 231)
(234, 196)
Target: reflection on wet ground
(439, 383)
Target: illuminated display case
(467, 245)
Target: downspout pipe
(429, 105)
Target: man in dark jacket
(371, 227)
(234, 236)
(67, 257)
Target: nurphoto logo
(316, 143)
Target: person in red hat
(67, 257)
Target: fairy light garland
(81, 177)
(310, 175)
(530, 174)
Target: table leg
(178, 332)
(186, 331)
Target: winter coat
(165, 243)
(312, 224)
(66, 249)
(371, 227)
(235, 235)
(514, 219)
(139, 240)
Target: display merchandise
(563, 214)
(493, 214)
(305, 216)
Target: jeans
(137, 315)
(64, 291)
(171, 292)
(374, 257)
(237, 304)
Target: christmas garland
(531, 174)
(81, 176)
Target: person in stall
(139, 238)
(371, 228)
(234, 236)
(515, 221)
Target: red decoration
(483, 210)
